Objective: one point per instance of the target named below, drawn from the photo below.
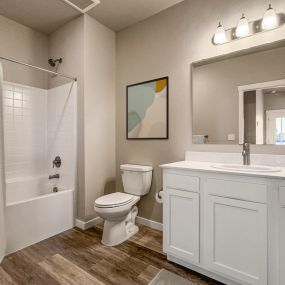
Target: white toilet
(119, 209)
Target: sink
(246, 168)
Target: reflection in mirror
(262, 113)
(240, 98)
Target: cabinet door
(236, 239)
(181, 224)
(282, 246)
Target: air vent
(82, 5)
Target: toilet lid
(114, 200)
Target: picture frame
(147, 110)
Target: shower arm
(38, 68)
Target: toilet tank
(136, 178)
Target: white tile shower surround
(38, 124)
(24, 130)
(61, 132)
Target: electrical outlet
(231, 137)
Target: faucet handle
(56, 162)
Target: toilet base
(116, 232)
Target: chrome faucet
(55, 176)
(246, 154)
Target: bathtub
(34, 212)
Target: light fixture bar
(255, 27)
(83, 11)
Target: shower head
(52, 62)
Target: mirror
(240, 98)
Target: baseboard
(150, 223)
(89, 224)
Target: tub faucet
(246, 154)
(55, 176)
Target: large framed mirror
(240, 97)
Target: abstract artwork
(147, 109)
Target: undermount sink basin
(246, 168)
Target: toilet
(119, 210)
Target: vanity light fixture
(242, 29)
(220, 36)
(269, 20)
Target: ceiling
(48, 15)
(120, 14)
(41, 15)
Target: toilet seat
(114, 200)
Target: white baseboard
(89, 224)
(152, 224)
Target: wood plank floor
(77, 257)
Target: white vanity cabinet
(219, 224)
(181, 216)
(236, 229)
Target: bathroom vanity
(226, 222)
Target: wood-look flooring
(77, 257)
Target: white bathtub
(34, 212)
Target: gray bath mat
(165, 277)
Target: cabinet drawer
(282, 195)
(184, 182)
(247, 191)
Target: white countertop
(208, 167)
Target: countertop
(209, 167)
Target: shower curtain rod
(38, 68)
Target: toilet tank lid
(134, 167)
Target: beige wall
(68, 43)
(166, 44)
(88, 51)
(24, 44)
(99, 111)
(274, 101)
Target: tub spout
(55, 176)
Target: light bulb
(242, 29)
(220, 35)
(269, 20)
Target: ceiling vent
(82, 6)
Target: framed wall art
(147, 110)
